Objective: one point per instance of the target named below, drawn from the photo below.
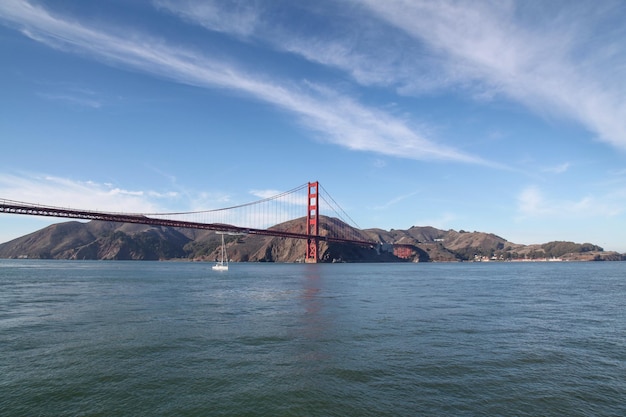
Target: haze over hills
(96, 240)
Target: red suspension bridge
(256, 218)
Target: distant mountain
(98, 240)
(121, 241)
(431, 244)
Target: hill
(98, 240)
(431, 244)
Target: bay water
(112, 338)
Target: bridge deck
(14, 207)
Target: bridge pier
(312, 224)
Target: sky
(506, 117)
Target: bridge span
(312, 220)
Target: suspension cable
(276, 197)
(338, 206)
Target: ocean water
(178, 339)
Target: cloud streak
(73, 100)
(543, 56)
(559, 169)
(368, 53)
(491, 48)
(395, 200)
(231, 17)
(336, 118)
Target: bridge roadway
(15, 207)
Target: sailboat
(222, 264)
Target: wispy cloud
(203, 207)
(90, 195)
(532, 203)
(73, 100)
(336, 118)
(541, 55)
(351, 41)
(72, 94)
(265, 193)
(558, 169)
(395, 200)
(529, 53)
(228, 16)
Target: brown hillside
(108, 240)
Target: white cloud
(232, 17)
(89, 195)
(548, 57)
(545, 56)
(336, 118)
(532, 203)
(67, 193)
(265, 193)
(558, 169)
(549, 62)
(350, 41)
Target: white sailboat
(222, 264)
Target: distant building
(403, 251)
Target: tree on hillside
(560, 248)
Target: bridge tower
(312, 224)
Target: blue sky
(499, 116)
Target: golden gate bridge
(301, 205)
